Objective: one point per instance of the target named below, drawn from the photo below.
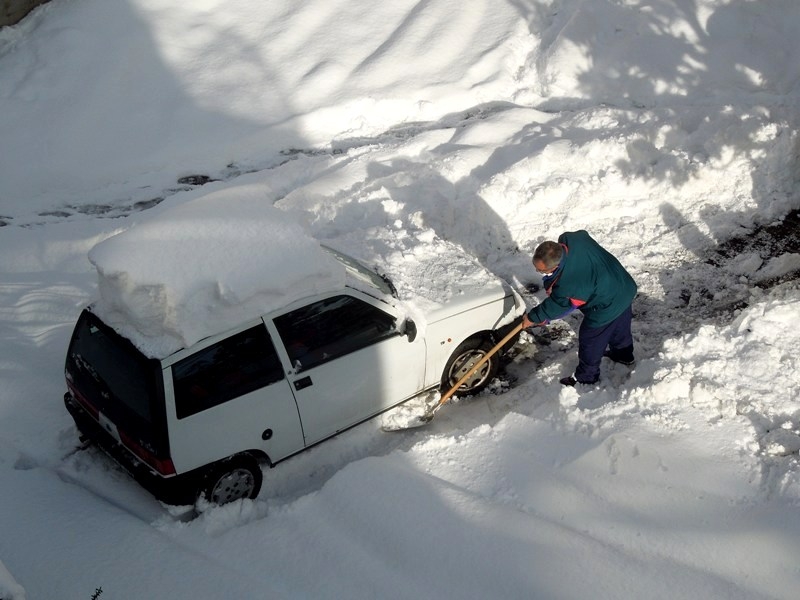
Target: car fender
(443, 336)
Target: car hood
(441, 281)
(473, 299)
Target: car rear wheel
(232, 479)
(462, 360)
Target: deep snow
(398, 131)
(176, 278)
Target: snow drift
(390, 131)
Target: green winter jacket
(588, 278)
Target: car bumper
(177, 490)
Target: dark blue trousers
(593, 341)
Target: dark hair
(548, 253)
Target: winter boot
(623, 356)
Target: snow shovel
(418, 421)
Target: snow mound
(204, 266)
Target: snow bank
(394, 130)
(207, 84)
(761, 340)
(205, 266)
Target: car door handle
(303, 383)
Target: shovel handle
(446, 396)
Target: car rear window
(105, 366)
(117, 379)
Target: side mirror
(411, 330)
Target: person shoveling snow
(579, 274)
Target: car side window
(331, 328)
(236, 366)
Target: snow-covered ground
(394, 130)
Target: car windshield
(362, 273)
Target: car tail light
(90, 408)
(163, 466)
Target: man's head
(547, 256)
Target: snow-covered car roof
(205, 266)
(209, 264)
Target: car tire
(462, 360)
(230, 480)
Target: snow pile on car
(205, 266)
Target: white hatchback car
(201, 421)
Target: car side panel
(238, 425)
(344, 391)
(354, 387)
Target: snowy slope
(392, 132)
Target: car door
(230, 395)
(348, 361)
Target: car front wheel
(232, 479)
(462, 360)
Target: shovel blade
(419, 421)
(414, 413)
